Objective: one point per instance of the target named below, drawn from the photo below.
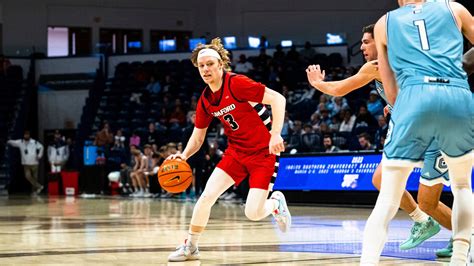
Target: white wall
(55, 108)
(25, 22)
(69, 65)
(299, 20)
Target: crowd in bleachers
(153, 103)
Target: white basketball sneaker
(282, 213)
(184, 252)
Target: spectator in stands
(152, 135)
(154, 87)
(273, 77)
(364, 142)
(135, 139)
(338, 104)
(148, 152)
(198, 160)
(243, 66)
(364, 122)
(71, 162)
(4, 65)
(125, 171)
(278, 55)
(263, 59)
(169, 85)
(294, 141)
(104, 138)
(324, 103)
(119, 140)
(282, 78)
(155, 188)
(212, 158)
(307, 52)
(293, 55)
(328, 144)
(381, 131)
(263, 42)
(381, 143)
(374, 105)
(118, 153)
(138, 173)
(324, 129)
(287, 126)
(193, 102)
(348, 121)
(315, 121)
(335, 124)
(31, 152)
(325, 118)
(58, 153)
(310, 140)
(171, 148)
(177, 116)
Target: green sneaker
(420, 232)
(446, 252)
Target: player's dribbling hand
(179, 156)
(314, 74)
(276, 144)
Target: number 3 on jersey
(230, 120)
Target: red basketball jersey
(243, 126)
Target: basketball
(175, 176)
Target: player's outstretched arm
(386, 73)
(366, 74)
(194, 144)
(278, 103)
(468, 61)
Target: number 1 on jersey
(420, 24)
(230, 119)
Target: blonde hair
(216, 45)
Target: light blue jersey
(434, 102)
(424, 41)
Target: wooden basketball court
(121, 231)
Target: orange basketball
(175, 176)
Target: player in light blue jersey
(420, 50)
(434, 174)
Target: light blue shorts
(428, 112)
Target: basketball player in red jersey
(251, 148)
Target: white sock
(460, 251)
(418, 215)
(460, 174)
(375, 232)
(193, 239)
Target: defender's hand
(314, 74)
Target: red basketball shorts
(258, 166)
